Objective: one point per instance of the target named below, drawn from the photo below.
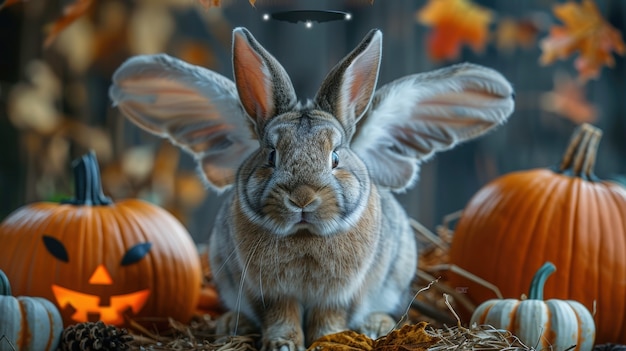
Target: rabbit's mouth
(304, 217)
(305, 221)
(312, 224)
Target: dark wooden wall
(532, 138)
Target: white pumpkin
(553, 324)
(27, 323)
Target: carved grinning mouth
(87, 306)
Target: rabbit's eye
(334, 159)
(271, 158)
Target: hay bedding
(198, 335)
(429, 324)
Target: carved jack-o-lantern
(101, 260)
(92, 306)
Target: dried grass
(483, 338)
(199, 334)
(434, 303)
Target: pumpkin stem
(539, 280)
(580, 156)
(5, 287)
(87, 184)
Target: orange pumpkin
(99, 259)
(567, 216)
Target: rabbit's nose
(303, 198)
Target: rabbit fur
(310, 239)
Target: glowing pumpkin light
(99, 259)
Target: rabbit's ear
(264, 87)
(197, 109)
(347, 90)
(413, 117)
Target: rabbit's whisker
(230, 256)
(242, 279)
(223, 265)
(261, 286)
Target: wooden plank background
(532, 138)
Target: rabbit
(310, 239)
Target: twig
(476, 279)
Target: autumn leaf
(454, 22)
(568, 100)
(512, 33)
(71, 13)
(409, 337)
(344, 341)
(584, 31)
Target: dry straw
(477, 338)
(444, 324)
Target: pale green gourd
(559, 324)
(27, 323)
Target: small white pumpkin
(27, 323)
(554, 324)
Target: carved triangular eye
(56, 248)
(136, 253)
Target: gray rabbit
(310, 239)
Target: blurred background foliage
(565, 59)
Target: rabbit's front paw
(377, 324)
(287, 336)
(281, 344)
(233, 323)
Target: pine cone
(91, 336)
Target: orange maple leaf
(454, 23)
(586, 31)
